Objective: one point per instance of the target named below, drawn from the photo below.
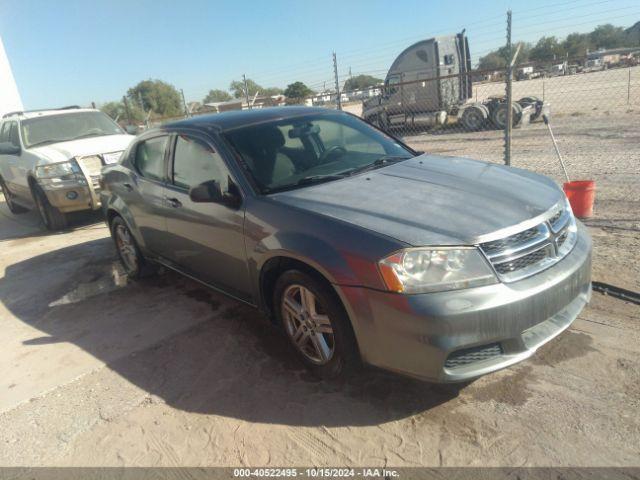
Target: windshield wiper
(92, 134)
(310, 180)
(379, 162)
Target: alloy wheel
(307, 324)
(126, 248)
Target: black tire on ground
(135, 265)
(341, 352)
(535, 102)
(8, 198)
(52, 218)
(499, 115)
(474, 117)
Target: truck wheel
(380, 121)
(499, 115)
(52, 218)
(474, 117)
(8, 198)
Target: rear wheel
(131, 258)
(499, 115)
(316, 324)
(52, 218)
(8, 198)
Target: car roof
(242, 118)
(45, 113)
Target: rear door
(144, 191)
(205, 240)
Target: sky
(81, 51)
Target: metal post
(543, 89)
(246, 91)
(126, 109)
(335, 74)
(508, 126)
(184, 104)
(140, 101)
(629, 88)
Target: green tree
(576, 44)
(117, 110)
(217, 96)
(547, 49)
(161, 98)
(360, 82)
(492, 61)
(237, 88)
(297, 91)
(608, 36)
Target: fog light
(72, 195)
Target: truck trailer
(430, 82)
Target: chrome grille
(91, 165)
(532, 250)
(473, 355)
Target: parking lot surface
(95, 371)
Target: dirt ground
(164, 372)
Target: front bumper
(459, 335)
(73, 196)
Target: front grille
(522, 262)
(92, 165)
(467, 356)
(532, 250)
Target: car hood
(59, 152)
(434, 200)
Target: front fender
(115, 204)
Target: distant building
(10, 100)
(612, 56)
(241, 104)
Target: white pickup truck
(51, 160)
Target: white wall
(9, 97)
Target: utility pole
(335, 74)
(184, 103)
(508, 126)
(246, 91)
(126, 109)
(140, 101)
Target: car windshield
(290, 153)
(67, 126)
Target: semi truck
(430, 83)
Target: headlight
(63, 170)
(420, 270)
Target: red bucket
(581, 195)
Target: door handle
(174, 202)
(128, 187)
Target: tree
(576, 44)
(608, 36)
(297, 91)
(117, 110)
(217, 96)
(360, 82)
(492, 61)
(547, 49)
(161, 98)
(237, 88)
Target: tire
(8, 198)
(380, 121)
(499, 115)
(474, 117)
(52, 218)
(316, 324)
(131, 258)
(535, 102)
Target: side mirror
(7, 148)
(207, 192)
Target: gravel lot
(96, 372)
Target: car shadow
(193, 348)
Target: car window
(150, 157)
(14, 139)
(196, 162)
(4, 132)
(335, 134)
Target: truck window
(448, 59)
(392, 85)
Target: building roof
(242, 118)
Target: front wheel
(316, 324)
(52, 218)
(8, 198)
